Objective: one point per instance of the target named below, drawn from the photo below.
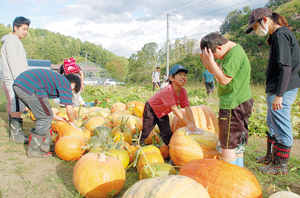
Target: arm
(211, 65)
(82, 79)
(70, 113)
(204, 80)
(189, 124)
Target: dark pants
(209, 87)
(233, 125)
(39, 107)
(155, 83)
(149, 122)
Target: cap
(255, 15)
(176, 69)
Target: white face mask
(262, 31)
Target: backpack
(70, 66)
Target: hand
(207, 55)
(59, 118)
(277, 103)
(191, 127)
(72, 123)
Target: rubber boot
(240, 159)
(15, 131)
(281, 155)
(268, 158)
(231, 161)
(39, 145)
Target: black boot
(15, 131)
(281, 155)
(267, 159)
(39, 145)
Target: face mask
(262, 32)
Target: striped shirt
(45, 84)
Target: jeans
(279, 121)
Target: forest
(47, 45)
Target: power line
(193, 6)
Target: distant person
(76, 96)
(155, 78)
(232, 70)
(208, 80)
(282, 83)
(34, 87)
(14, 62)
(166, 101)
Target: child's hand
(193, 129)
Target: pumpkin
(204, 118)
(99, 112)
(222, 179)
(69, 148)
(118, 113)
(117, 106)
(164, 150)
(96, 175)
(184, 148)
(131, 151)
(156, 170)
(80, 111)
(119, 154)
(171, 186)
(31, 115)
(96, 142)
(136, 107)
(63, 114)
(149, 148)
(94, 122)
(284, 194)
(65, 129)
(87, 134)
(124, 136)
(148, 158)
(149, 139)
(132, 122)
(103, 131)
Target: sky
(125, 26)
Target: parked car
(112, 81)
(90, 81)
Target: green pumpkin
(96, 142)
(119, 154)
(103, 131)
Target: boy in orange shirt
(166, 101)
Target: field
(52, 177)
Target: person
(14, 62)
(34, 87)
(282, 82)
(155, 78)
(165, 101)
(232, 71)
(208, 80)
(76, 96)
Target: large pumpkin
(136, 107)
(284, 194)
(97, 175)
(171, 186)
(120, 112)
(204, 118)
(184, 148)
(94, 122)
(222, 179)
(69, 148)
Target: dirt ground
(24, 177)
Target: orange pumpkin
(65, 129)
(118, 113)
(136, 107)
(96, 175)
(222, 179)
(152, 135)
(149, 158)
(87, 134)
(164, 150)
(116, 106)
(204, 118)
(69, 148)
(149, 148)
(94, 122)
(132, 122)
(184, 148)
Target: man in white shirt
(155, 78)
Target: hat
(255, 15)
(176, 69)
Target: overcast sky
(124, 26)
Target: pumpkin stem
(78, 112)
(102, 157)
(147, 165)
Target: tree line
(47, 45)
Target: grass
(52, 177)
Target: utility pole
(168, 44)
